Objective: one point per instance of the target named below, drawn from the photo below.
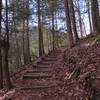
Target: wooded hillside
(37, 36)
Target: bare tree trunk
(28, 41)
(70, 35)
(53, 29)
(24, 54)
(1, 75)
(6, 67)
(47, 41)
(73, 20)
(17, 44)
(84, 27)
(18, 51)
(41, 46)
(95, 15)
(80, 20)
(11, 56)
(56, 22)
(88, 10)
(42, 33)
(51, 46)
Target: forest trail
(65, 74)
(39, 81)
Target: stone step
(52, 57)
(36, 77)
(37, 87)
(39, 71)
(44, 63)
(41, 67)
(49, 60)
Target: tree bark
(84, 28)
(89, 16)
(73, 20)
(80, 20)
(24, 54)
(6, 67)
(70, 35)
(41, 46)
(17, 44)
(95, 15)
(53, 29)
(28, 40)
(1, 75)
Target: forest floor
(62, 75)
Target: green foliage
(97, 39)
(68, 61)
(19, 7)
(89, 43)
(33, 55)
(98, 98)
(76, 73)
(65, 52)
(58, 40)
(86, 44)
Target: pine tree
(1, 76)
(68, 21)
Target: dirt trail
(40, 81)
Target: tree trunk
(53, 29)
(1, 75)
(24, 54)
(89, 16)
(70, 35)
(47, 40)
(56, 21)
(42, 33)
(41, 46)
(18, 51)
(74, 20)
(6, 67)
(28, 41)
(80, 20)
(17, 44)
(84, 28)
(95, 15)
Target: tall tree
(41, 46)
(89, 16)
(68, 21)
(53, 24)
(23, 37)
(95, 15)
(80, 19)
(17, 43)
(1, 76)
(28, 41)
(6, 49)
(73, 20)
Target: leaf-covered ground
(75, 75)
(82, 77)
